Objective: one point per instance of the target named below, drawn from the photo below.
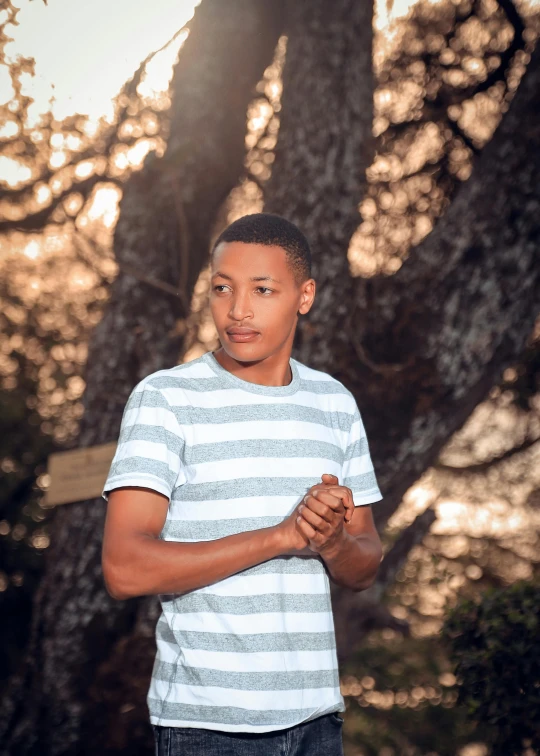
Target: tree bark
(166, 217)
(325, 146)
(419, 349)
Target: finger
(316, 521)
(345, 494)
(297, 528)
(319, 508)
(307, 530)
(326, 497)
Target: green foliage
(401, 699)
(495, 643)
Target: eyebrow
(253, 278)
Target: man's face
(255, 299)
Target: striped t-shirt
(256, 651)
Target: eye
(265, 288)
(219, 286)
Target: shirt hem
(360, 501)
(241, 727)
(139, 482)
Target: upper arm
(146, 468)
(131, 512)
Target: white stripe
(259, 585)
(359, 465)
(218, 398)
(261, 467)
(230, 509)
(147, 416)
(260, 661)
(207, 433)
(148, 450)
(246, 624)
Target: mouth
(239, 334)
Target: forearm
(354, 562)
(148, 566)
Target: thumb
(330, 479)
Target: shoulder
(320, 381)
(175, 378)
(170, 390)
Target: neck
(271, 371)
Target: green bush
(495, 644)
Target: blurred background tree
(412, 163)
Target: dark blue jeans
(317, 737)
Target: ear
(307, 295)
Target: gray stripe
(285, 565)
(266, 447)
(365, 483)
(240, 488)
(357, 449)
(296, 679)
(248, 644)
(231, 715)
(152, 433)
(202, 385)
(145, 398)
(144, 466)
(289, 565)
(262, 413)
(208, 530)
(190, 603)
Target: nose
(240, 306)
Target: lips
(240, 334)
(237, 330)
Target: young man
(242, 482)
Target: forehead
(243, 260)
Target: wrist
(278, 540)
(334, 549)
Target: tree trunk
(166, 218)
(421, 348)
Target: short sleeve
(358, 473)
(150, 444)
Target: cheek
(217, 308)
(279, 310)
(274, 316)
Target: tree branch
(102, 147)
(397, 555)
(482, 467)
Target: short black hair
(271, 230)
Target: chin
(243, 352)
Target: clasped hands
(317, 522)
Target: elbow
(114, 582)
(365, 583)
(368, 578)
